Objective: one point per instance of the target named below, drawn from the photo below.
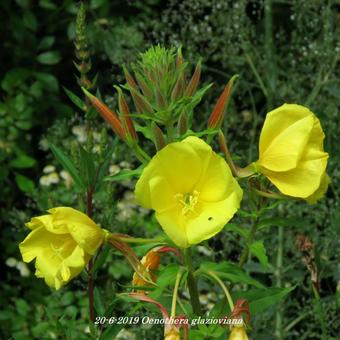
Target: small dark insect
(210, 218)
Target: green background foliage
(299, 65)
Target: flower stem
(321, 311)
(89, 211)
(245, 251)
(192, 284)
(224, 288)
(278, 274)
(174, 295)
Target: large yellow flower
(291, 151)
(62, 243)
(191, 189)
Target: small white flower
(114, 169)
(44, 181)
(80, 132)
(96, 136)
(96, 148)
(11, 262)
(23, 269)
(48, 168)
(54, 178)
(66, 177)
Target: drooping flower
(291, 153)
(191, 189)
(62, 243)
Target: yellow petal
(34, 244)
(238, 333)
(213, 217)
(320, 192)
(161, 194)
(47, 265)
(217, 182)
(279, 120)
(286, 148)
(39, 221)
(302, 181)
(173, 223)
(88, 237)
(178, 163)
(64, 215)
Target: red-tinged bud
(160, 98)
(125, 115)
(195, 79)
(141, 103)
(216, 118)
(159, 139)
(129, 79)
(183, 123)
(144, 87)
(179, 59)
(109, 115)
(178, 89)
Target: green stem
(270, 56)
(192, 284)
(245, 251)
(321, 312)
(90, 285)
(278, 274)
(137, 240)
(224, 288)
(174, 294)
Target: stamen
(188, 201)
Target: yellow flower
(191, 189)
(62, 244)
(291, 151)
(238, 333)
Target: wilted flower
(291, 151)
(191, 189)
(62, 244)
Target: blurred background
(285, 52)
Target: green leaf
(75, 99)
(260, 299)
(125, 174)
(98, 302)
(46, 42)
(49, 80)
(258, 250)
(279, 222)
(14, 77)
(24, 183)
(239, 230)
(87, 167)
(68, 165)
(49, 58)
(30, 21)
(22, 162)
(230, 272)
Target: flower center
(188, 201)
